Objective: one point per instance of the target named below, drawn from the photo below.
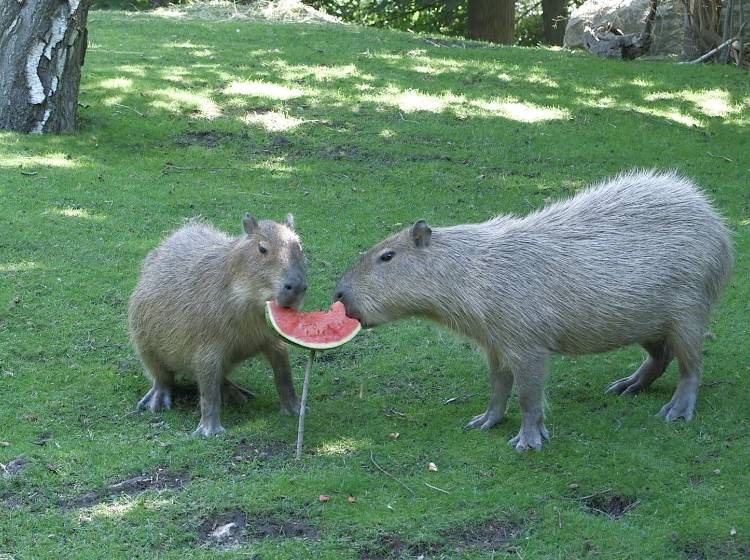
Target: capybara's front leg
(278, 357)
(501, 384)
(529, 377)
(209, 377)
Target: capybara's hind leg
(160, 394)
(686, 341)
(231, 392)
(529, 377)
(501, 383)
(659, 356)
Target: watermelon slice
(314, 330)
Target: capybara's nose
(295, 287)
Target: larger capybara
(640, 259)
(198, 309)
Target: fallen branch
(129, 108)
(713, 51)
(436, 488)
(385, 472)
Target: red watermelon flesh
(315, 330)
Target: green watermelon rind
(307, 345)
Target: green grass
(359, 131)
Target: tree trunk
(42, 46)
(554, 18)
(492, 20)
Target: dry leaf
(393, 435)
(323, 498)
(352, 499)
(733, 532)
(432, 467)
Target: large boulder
(627, 15)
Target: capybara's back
(639, 259)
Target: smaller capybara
(199, 309)
(640, 259)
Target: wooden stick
(302, 405)
(385, 472)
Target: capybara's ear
(421, 233)
(289, 221)
(249, 223)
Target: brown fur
(198, 309)
(640, 259)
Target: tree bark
(554, 18)
(42, 47)
(492, 20)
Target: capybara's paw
(529, 438)
(484, 421)
(681, 406)
(207, 429)
(233, 393)
(156, 399)
(290, 407)
(627, 386)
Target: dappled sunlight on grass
(341, 446)
(19, 266)
(273, 121)
(77, 213)
(262, 89)
(118, 509)
(125, 84)
(48, 160)
(177, 101)
(317, 72)
(520, 111)
(671, 113)
(411, 100)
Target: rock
(627, 15)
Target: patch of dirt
(343, 151)
(613, 507)
(390, 546)
(262, 10)
(14, 467)
(435, 42)
(224, 529)
(205, 138)
(248, 452)
(158, 479)
(230, 528)
(727, 549)
(491, 535)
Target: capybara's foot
(682, 405)
(231, 392)
(156, 399)
(484, 421)
(290, 407)
(208, 429)
(628, 385)
(529, 438)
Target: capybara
(639, 259)
(198, 309)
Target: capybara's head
(268, 261)
(390, 279)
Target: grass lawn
(357, 132)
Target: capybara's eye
(388, 255)
(262, 249)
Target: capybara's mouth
(290, 302)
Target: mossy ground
(357, 132)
